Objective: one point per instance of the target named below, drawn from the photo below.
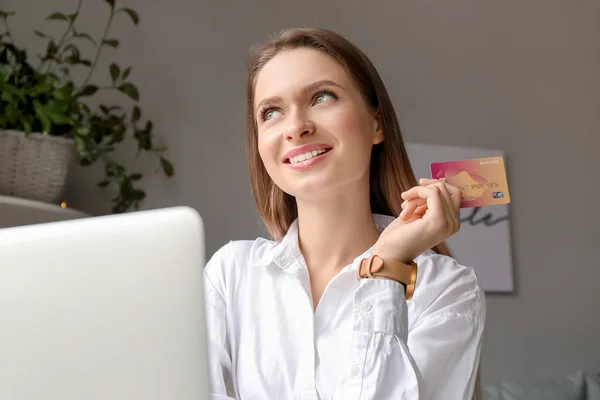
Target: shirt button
(366, 307)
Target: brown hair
(390, 169)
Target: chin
(313, 190)
(320, 182)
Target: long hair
(390, 169)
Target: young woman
(355, 296)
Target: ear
(378, 132)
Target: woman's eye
(323, 97)
(270, 114)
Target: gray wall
(517, 75)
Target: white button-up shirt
(363, 341)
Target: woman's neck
(332, 234)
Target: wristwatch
(405, 274)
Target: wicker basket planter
(35, 167)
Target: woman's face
(315, 131)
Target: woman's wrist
(376, 267)
(396, 255)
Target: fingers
(437, 196)
(421, 210)
(454, 193)
(445, 194)
(432, 196)
(417, 201)
(452, 214)
(410, 208)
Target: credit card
(482, 180)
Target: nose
(299, 125)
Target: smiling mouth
(306, 156)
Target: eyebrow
(305, 90)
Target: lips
(306, 152)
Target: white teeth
(306, 156)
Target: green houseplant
(45, 99)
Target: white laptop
(104, 308)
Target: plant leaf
(57, 16)
(8, 91)
(144, 137)
(135, 177)
(44, 120)
(83, 130)
(51, 49)
(132, 14)
(12, 113)
(4, 14)
(136, 114)
(72, 17)
(111, 2)
(73, 49)
(104, 183)
(110, 169)
(138, 195)
(71, 60)
(63, 93)
(26, 124)
(111, 42)
(85, 36)
(40, 34)
(126, 73)
(59, 119)
(115, 71)
(126, 188)
(46, 124)
(167, 167)
(88, 90)
(107, 110)
(130, 90)
(80, 145)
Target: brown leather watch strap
(405, 274)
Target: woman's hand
(429, 216)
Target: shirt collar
(287, 250)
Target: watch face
(410, 288)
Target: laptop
(104, 308)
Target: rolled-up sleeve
(435, 358)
